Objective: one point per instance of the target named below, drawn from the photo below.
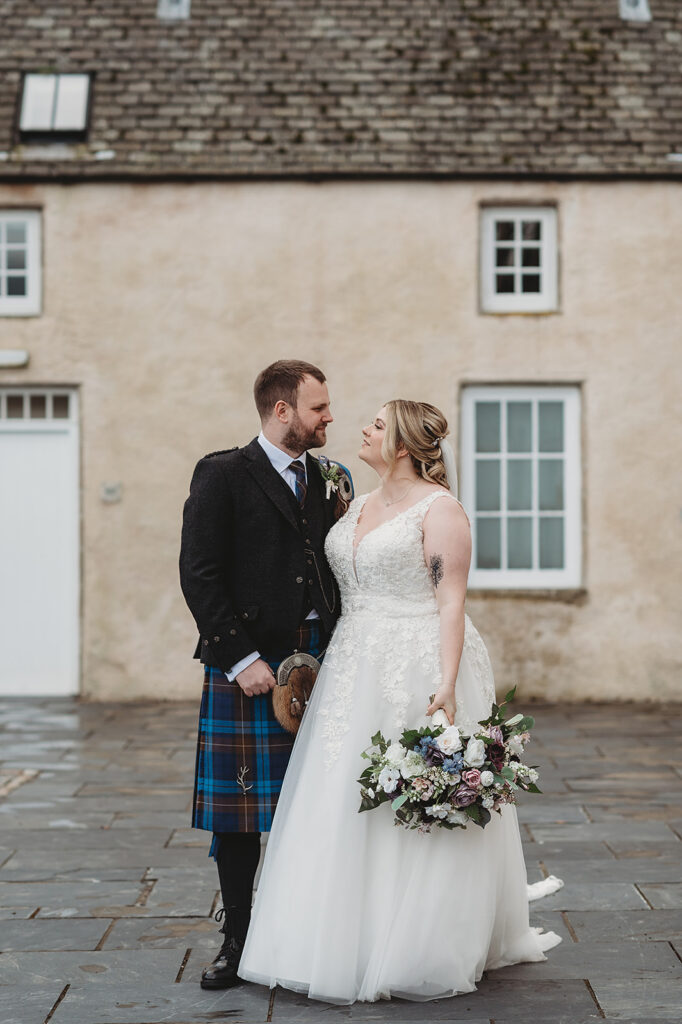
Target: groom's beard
(298, 439)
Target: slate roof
(368, 87)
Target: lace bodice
(389, 620)
(385, 570)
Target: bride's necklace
(400, 498)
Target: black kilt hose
(252, 566)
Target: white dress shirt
(281, 461)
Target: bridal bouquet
(439, 775)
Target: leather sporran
(295, 680)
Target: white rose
(487, 778)
(532, 775)
(449, 741)
(515, 745)
(458, 818)
(395, 753)
(438, 810)
(488, 802)
(474, 755)
(388, 779)
(412, 765)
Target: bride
(348, 906)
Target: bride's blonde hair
(418, 427)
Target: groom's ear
(281, 411)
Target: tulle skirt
(349, 906)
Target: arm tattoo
(436, 569)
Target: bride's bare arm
(447, 552)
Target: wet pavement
(106, 894)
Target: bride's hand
(445, 699)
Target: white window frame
(173, 10)
(570, 577)
(544, 301)
(30, 303)
(52, 114)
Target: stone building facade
(445, 202)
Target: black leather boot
(222, 973)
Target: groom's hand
(256, 678)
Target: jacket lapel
(269, 480)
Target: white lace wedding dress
(349, 907)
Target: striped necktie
(301, 486)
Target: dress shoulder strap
(429, 499)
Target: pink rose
(463, 797)
(472, 777)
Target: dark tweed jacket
(252, 560)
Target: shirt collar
(280, 460)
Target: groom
(255, 577)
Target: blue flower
(453, 764)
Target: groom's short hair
(280, 381)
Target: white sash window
(521, 484)
(20, 263)
(54, 104)
(518, 259)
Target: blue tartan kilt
(242, 750)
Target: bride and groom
(274, 560)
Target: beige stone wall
(163, 301)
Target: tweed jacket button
(310, 583)
(299, 579)
(216, 639)
(308, 540)
(205, 643)
(233, 632)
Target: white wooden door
(39, 542)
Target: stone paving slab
(664, 896)
(101, 968)
(37, 935)
(654, 925)
(605, 960)
(655, 996)
(153, 1003)
(28, 1005)
(164, 933)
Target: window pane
(488, 543)
(551, 426)
(16, 259)
(551, 484)
(487, 485)
(72, 102)
(15, 407)
(531, 230)
(37, 102)
(504, 257)
(487, 426)
(519, 485)
(552, 543)
(60, 407)
(504, 230)
(530, 257)
(16, 233)
(16, 285)
(38, 405)
(518, 426)
(504, 283)
(530, 283)
(520, 543)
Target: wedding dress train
(350, 907)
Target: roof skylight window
(173, 9)
(635, 10)
(54, 104)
